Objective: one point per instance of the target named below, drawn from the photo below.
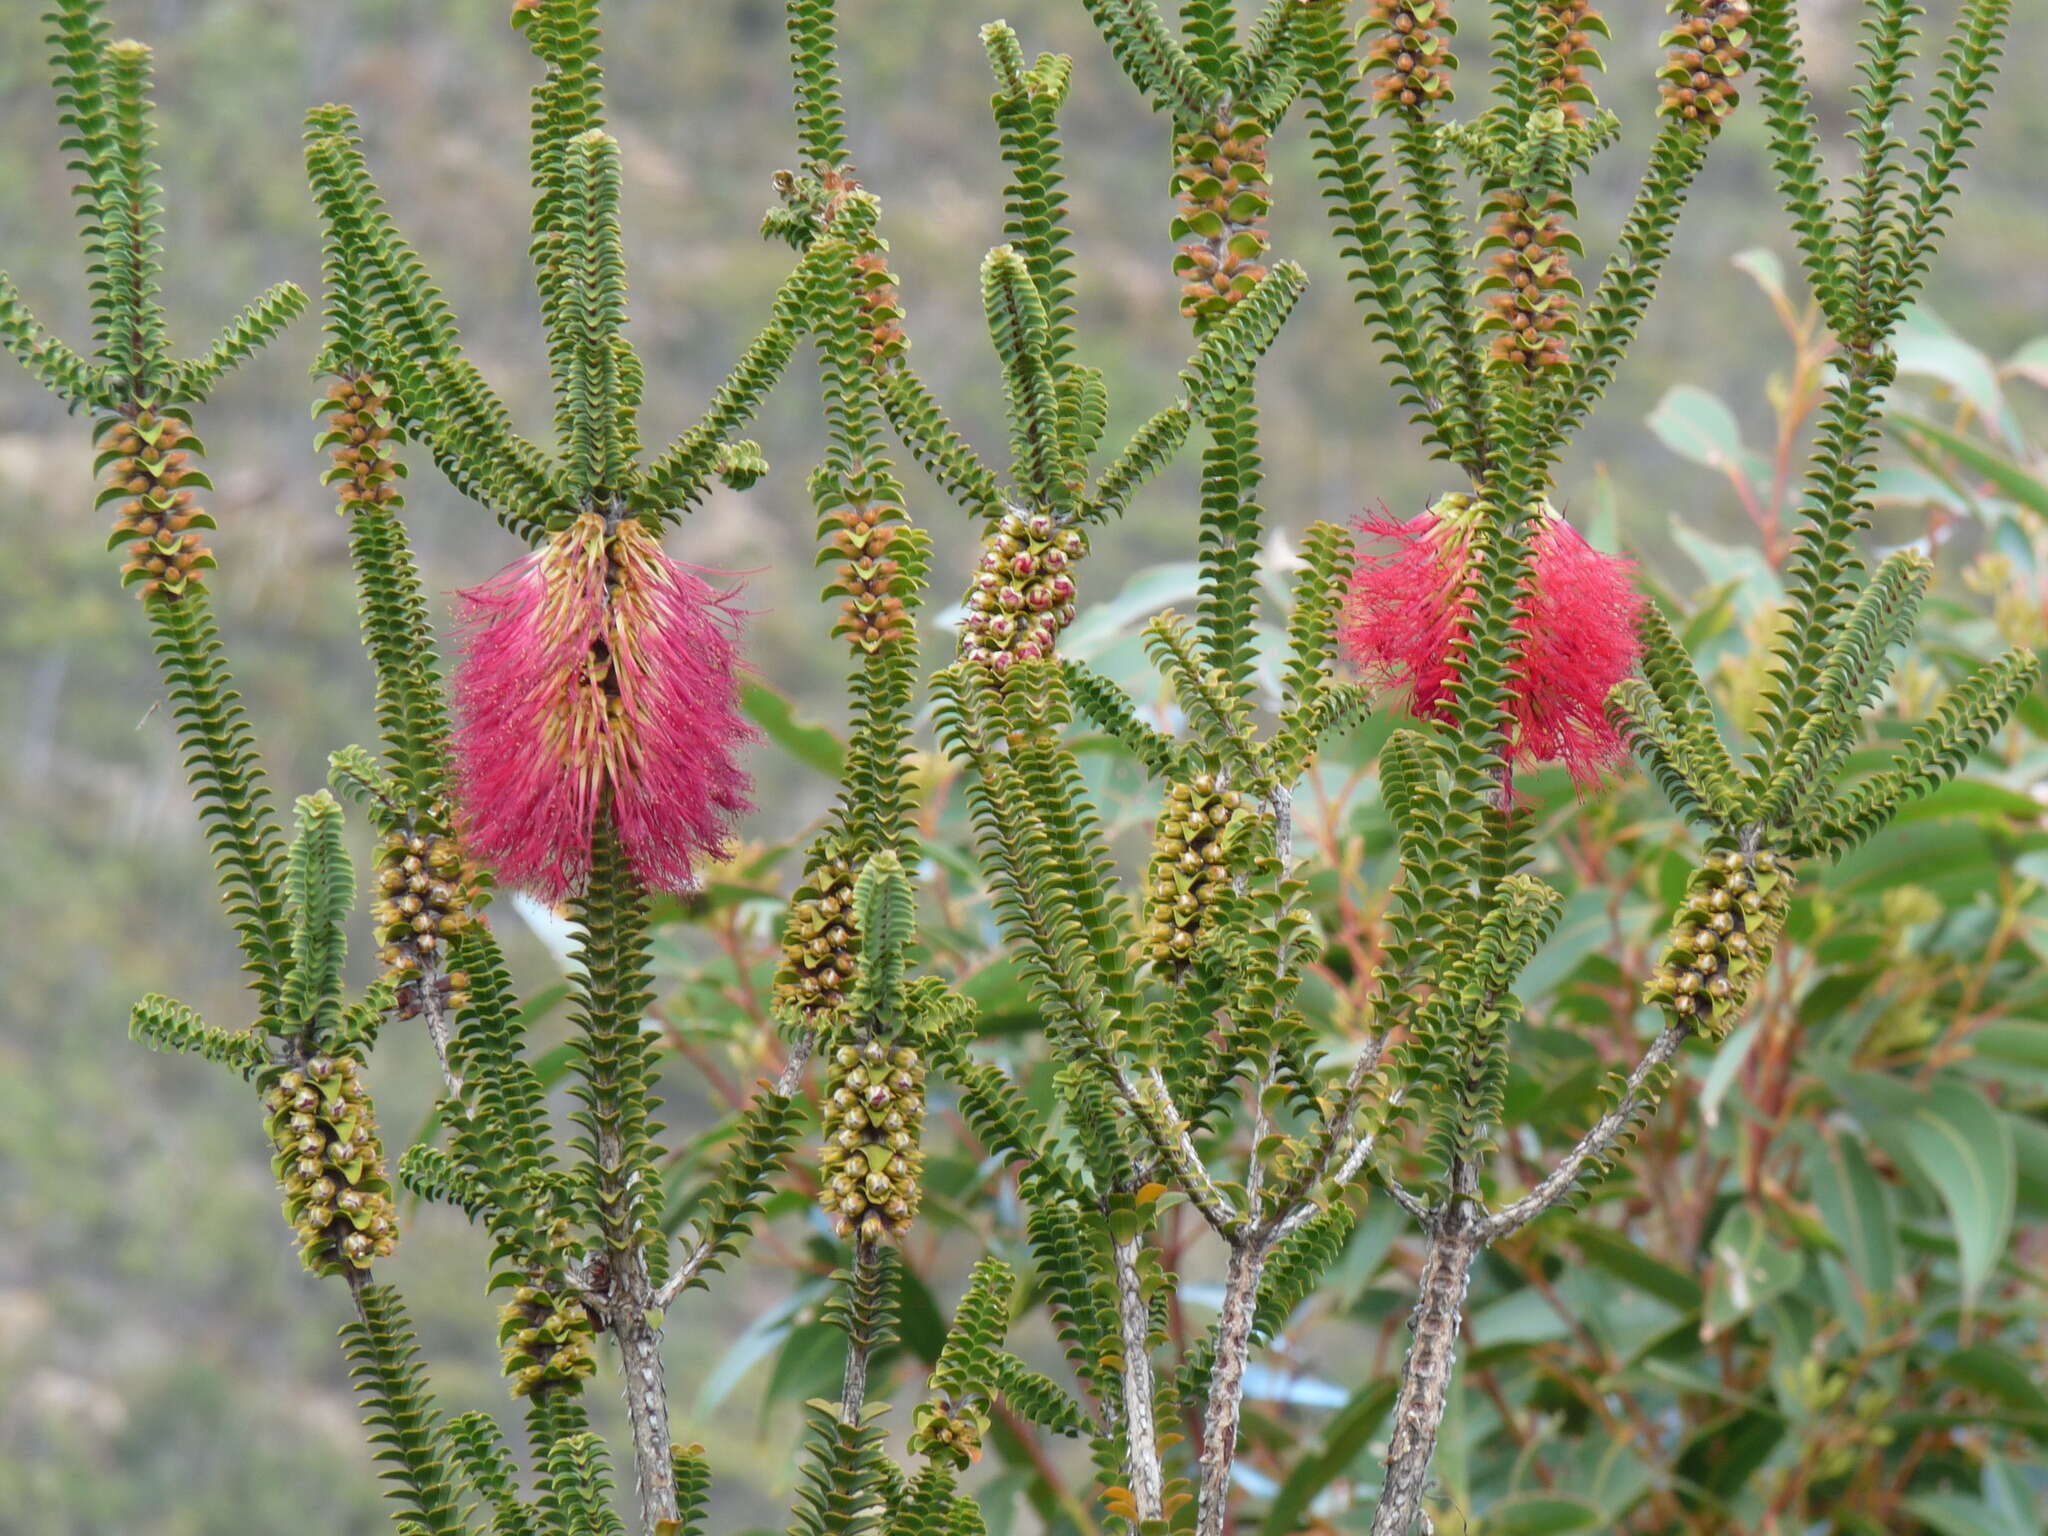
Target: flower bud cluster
(359, 430)
(821, 944)
(1190, 870)
(147, 459)
(864, 530)
(874, 1116)
(1023, 594)
(1528, 285)
(1735, 905)
(544, 1340)
(331, 1164)
(740, 465)
(1220, 181)
(1709, 52)
(881, 306)
(423, 901)
(949, 1431)
(1565, 52)
(1409, 57)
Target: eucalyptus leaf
(1752, 1266)
(1965, 1150)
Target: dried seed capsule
(148, 455)
(1528, 288)
(818, 943)
(1409, 58)
(1193, 844)
(1736, 904)
(544, 1337)
(874, 1112)
(1019, 582)
(336, 1193)
(1708, 52)
(361, 432)
(949, 1432)
(421, 915)
(1219, 184)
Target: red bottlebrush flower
(1404, 626)
(600, 677)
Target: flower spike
(601, 678)
(1407, 619)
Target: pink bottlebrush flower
(601, 677)
(1405, 624)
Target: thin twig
(434, 1009)
(1606, 1131)
(785, 1084)
(1151, 1102)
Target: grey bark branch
(646, 1389)
(1255, 1167)
(1407, 1199)
(1152, 1102)
(1141, 1429)
(1454, 1244)
(1345, 1148)
(434, 1009)
(1226, 1383)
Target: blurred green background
(164, 1364)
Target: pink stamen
(599, 674)
(1405, 627)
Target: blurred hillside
(164, 1365)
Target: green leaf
(1955, 1514)
(1975, 799)
(808, 1364)
(1698, 426)
(1343, 1440)
(2030, 362)
(1964, 1148)
(1148, 591)
(1927, 347)
(1725, 1069)
(812, 745)
(1610, 1250)
(2013, 481)
(1999, 1375)
(2030, 1144)
(1753, 585)
(1752, 1266)
(1763, 268)
(1719, 1459)
(1858, 1214)
(1541, 1515)
(2006, 1490)
(2013, 1042)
